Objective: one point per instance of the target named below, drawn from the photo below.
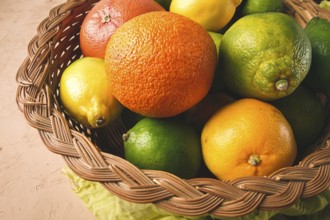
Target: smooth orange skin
(96, 31)
(160, 64)
(243, 128)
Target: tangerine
(160, 63)
(248, 137)
(104, 18)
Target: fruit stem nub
(100, 121)
(106, 19)
(282, 84)
(254, 160)
(125, 136)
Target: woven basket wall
(56, 45)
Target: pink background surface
(31, 183)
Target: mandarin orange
(248, 137)
(105, 17)
(160, 63)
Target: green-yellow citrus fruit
(265, 56)
(261, 6)
(217, 40)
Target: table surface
(32, 185)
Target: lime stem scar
(254, 160)
(282, 84)
(125, 136)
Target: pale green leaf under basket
(106, 206)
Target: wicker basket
(56, 45)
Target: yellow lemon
(211, 14)
(86, 95)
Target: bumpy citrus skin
(86, 93)
(247, 138)
(211, 14)
(265, 56)
(164, 144)
(160, 64)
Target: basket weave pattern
(55, 46)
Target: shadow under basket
(98, 155)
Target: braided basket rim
(192, 197)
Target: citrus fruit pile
(221, 88)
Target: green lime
(256, 64)
(260, 6)
(165, 3)
(318, 79)
(305, 114)
(217, 83)
(164, 144)
(217, 39)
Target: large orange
(105, 17)
(247, 138)
(160, 63)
